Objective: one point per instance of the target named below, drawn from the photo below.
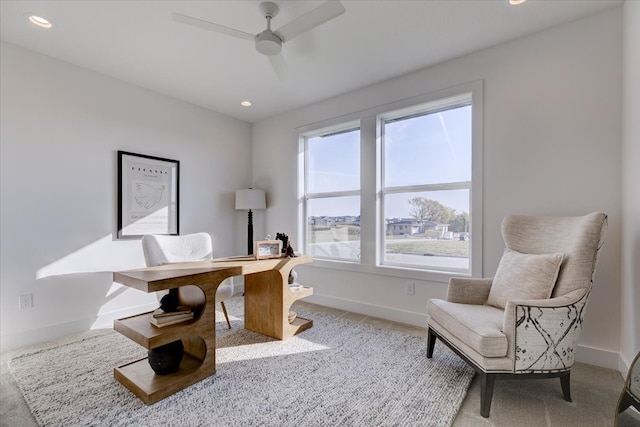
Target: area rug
(341, 372)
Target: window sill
(381, 270)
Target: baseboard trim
(585, 354)
(36, 336)
(598, 356)
(401, 316)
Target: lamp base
(250, 233)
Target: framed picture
(265, 249)
(148, 195)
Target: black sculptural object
(287, 250)
(166, 358)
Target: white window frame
(307, 195)
(371, 219)
(440, 104)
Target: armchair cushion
(479, 326)
(524, 277)
(468, 290)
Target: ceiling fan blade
(279, 65)
(184, 19)
(318, 16)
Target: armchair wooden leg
(431, 342)
(486, 393)
(566, 386)
(226, 316)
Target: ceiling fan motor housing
(267, 43)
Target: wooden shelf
(300, 324)
(150, 388)
(140, 330)
(306, 291)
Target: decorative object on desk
(166, 358)
(266, 249)
(148, 195)
(250, 199)
(292, 316)
(285, 240)
(293, 276)
(287, 250)
(169, 303)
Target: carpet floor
(340, 372)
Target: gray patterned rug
(341, 372)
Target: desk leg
(264, 310)
(267, 301)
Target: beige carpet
(340, 372)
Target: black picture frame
(148, 195)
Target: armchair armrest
(543, 334)
(466, 290)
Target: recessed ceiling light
(246, 103)
(39, 20)
(516, 2)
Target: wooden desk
(267, 303)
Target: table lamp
(250, 199)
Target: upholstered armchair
(159, 250)
(525, 321)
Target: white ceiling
(138, 42)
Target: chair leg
(431, 342)
(226, 316)
(486, 393)
(566, 386)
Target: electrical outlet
(26, 301)
(410, 288)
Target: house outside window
(396, 189)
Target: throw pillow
(524, 276)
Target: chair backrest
(579, 238)
(189, 247)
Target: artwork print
(147, 195)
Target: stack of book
(162, 318)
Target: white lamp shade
(250, 199)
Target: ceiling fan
(269, 42)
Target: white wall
(552, 145)
(61, 127)
(630, 330)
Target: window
(396, 189)
(426, 185)
(332, 195)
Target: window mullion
(463, 185)
(333, 194)
(368, 212)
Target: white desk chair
(160, 250)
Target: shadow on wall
(74, 293)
